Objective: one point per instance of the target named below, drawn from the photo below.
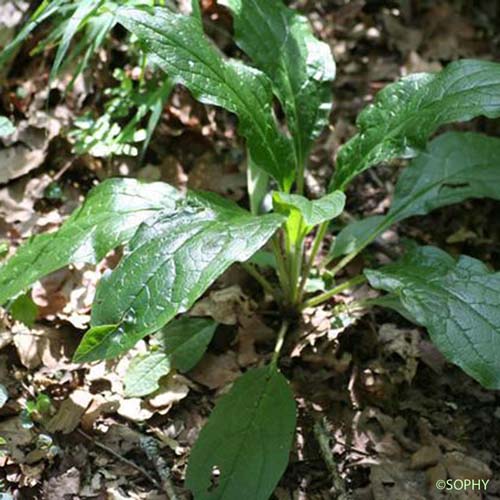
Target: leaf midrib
(235, 94)
(425, 109)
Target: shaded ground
(381, 415)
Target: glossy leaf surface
(169, 263)
(457, 301)
(407, 112)
(108, 218)
(455, 167)
(178, 45)
(281, 43)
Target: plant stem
(295, 269)
(144, 472)
(279, 343)
(282, 273)
(318, 239)
(368, 239)
(254, 273)
(334, 291)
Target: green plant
(35, 410)
(176, 245)
(91, 19)
(104, 136)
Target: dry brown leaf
(135, 409)
(99, 406)
(172, 390)
(392, 481)
(447, 34)
(215, 372)
(404, 343)
(5, 333)
(16, 436)
(224, 306)
(404, 38)
(427, 456)
(32, 138)
(68, 416)
(252, 331)
(67, 294)
(52, 347)
(64, 486)
(31, 474)
(460, 466)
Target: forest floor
(381, 414)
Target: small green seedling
(177, 245)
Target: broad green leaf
(355, 234)
(304, 214)
(264, 259)
(314, 212)
(168, 265)
(182, 344)
(177, 44)
(282, 44)
(185, 341)
(144, 372)
(247, 439)
(23, 309)
(407, 112)
(457, 301)
(108, 218)
(6, 127)
(456, 166)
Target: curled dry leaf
(44, 345)
(173, 389)
(224, 306)
(98, 407)
(30, 151)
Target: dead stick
(121, 458)
(321, 434)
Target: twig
(138, 468)
(321, 434)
